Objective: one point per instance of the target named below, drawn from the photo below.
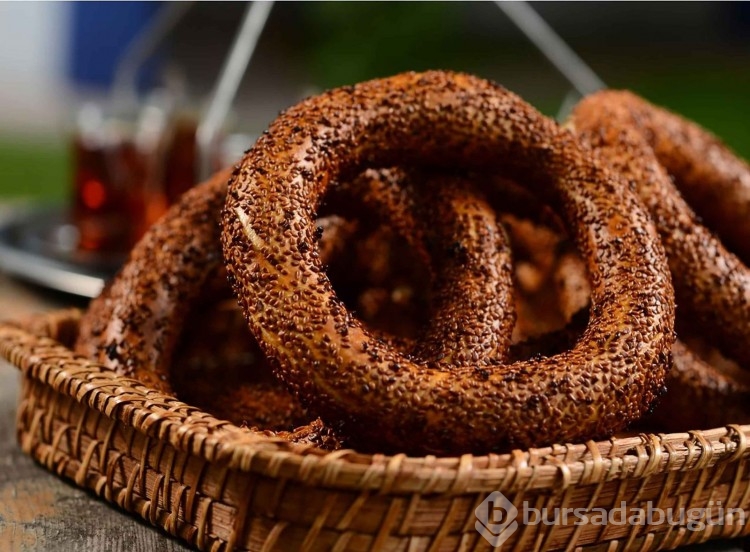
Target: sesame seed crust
(649, 146)
(699, 375)
(380, 396)
(133, 326)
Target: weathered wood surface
(38, 510)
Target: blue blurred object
(101, 31)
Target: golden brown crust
(462, 328)
(607, 380)
(702, 389)
(472, 312)
(647, 145)
(132, 327)
(450, 226)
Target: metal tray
(38, 244)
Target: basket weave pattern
(219, 487)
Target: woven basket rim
(197, 432)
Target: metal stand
(231, 75)
(582, 78)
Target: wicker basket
(218, 487)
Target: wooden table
(40, 511)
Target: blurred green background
(690, 57)
(31, 169)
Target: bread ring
(235, 383)
(706, 390)
(648, 145)
(452, 335)
(607, 380)
(140, 297)
(133, 325)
